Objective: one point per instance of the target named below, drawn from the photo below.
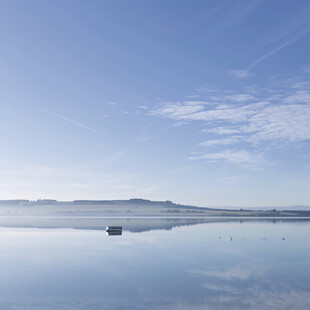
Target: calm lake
(156, 263)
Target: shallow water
(155, 264)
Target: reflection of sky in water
(188, 267)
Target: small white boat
(113, 228)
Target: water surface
(155, 264)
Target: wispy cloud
(266, 118)
(306, 69)
(241, 73)
(193, 96)
(217, 108)
(301, 96)
(287, 116)
(240, 97)
(178, 110)
(214, 142)
(235, 157)
(286, 123)
(222, 131)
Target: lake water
(154, 264)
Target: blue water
(192, 266)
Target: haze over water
(192, 266)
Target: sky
(199, 102)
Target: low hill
(131, 207)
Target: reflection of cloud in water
(248, 288)
(252, 300)
(234, 273)
(249, 299)
(221, 288)
(263, 300)
(158, 270)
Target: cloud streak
(73, 122)
(244, 73)
(275, 50)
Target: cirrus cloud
(271, 116)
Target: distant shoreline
(134, 208)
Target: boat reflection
(114, 233)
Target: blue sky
(199, 102)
